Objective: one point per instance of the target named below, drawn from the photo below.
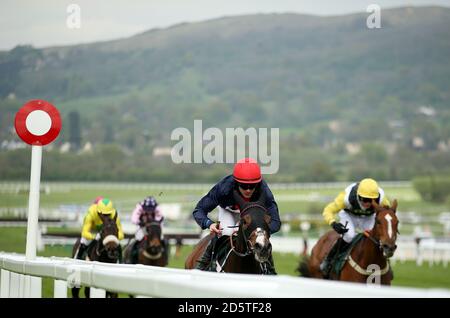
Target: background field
(295, 205)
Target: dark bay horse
(152, 250)
(107, 250)
(368, 260)
(250, 250)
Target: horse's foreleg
(111, 295)
(87, 292)
(75, 292)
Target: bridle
(100, 248)
(374, 240)
(146, 240)
(249, 248)
(377, 243)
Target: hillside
(324, 81)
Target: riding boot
(120, 259)
(326, 265)
(135, 252)
(80, 252)
(166, 247)
(206, 262)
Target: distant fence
(47, 187)
(167, 282)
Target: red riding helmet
(247, 170)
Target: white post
(35, 287)
(60, 289)
(14, 285)
(33, 216)
(4, 287)
(97, 293)
(23, 286)
(33, 202)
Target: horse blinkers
(153, 246)
(258, 240)
(109, 238)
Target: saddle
(341, 258)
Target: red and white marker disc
(38, 122)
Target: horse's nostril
(388, 247)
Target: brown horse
(250, 250)
(152, 250)
(368, 260)
(107, 250)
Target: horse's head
(153, 240)
(386, 228)
(254, 230)
(109, 236)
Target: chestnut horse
(107, 250)
(250, 250)
(368, 259)
(152, 250)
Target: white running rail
(168, 282)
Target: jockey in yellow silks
(92, 223)
(355, 209)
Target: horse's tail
(303, 267)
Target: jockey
(355, 209)
(149, 207)
(92, 224)
(248, 180)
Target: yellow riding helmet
(368, 188)
(105, 206)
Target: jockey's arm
(272, 209)
(87, 227)
(158, 214)
(136, 215)
(119, 229)
(206, 204)
(330, 211)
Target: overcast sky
(44, 23)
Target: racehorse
(368, 259)
(250, 250)
(152, 250)
(107, 250)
